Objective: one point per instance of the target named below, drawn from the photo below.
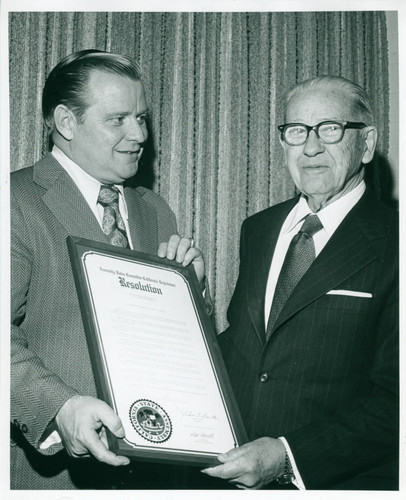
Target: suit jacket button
(24, 428)
(264, 377)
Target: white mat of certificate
(160, 371)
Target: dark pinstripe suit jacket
(49, 355)
(332, 360)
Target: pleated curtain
(214, 83)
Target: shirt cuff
(298, 482)
(53, 438)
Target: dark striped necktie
(299, 257)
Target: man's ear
(65, 121)
(370, 135)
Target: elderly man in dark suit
(312, 343)
(94, 106)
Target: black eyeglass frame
(343, 124)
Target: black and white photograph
(201, 222)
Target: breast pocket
(351, 302)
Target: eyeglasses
(329, 132)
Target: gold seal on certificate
(155, 356)
(150, 421)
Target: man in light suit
(94, 106)
(315, 370)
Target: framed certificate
(155, 355)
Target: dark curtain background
(214, 82)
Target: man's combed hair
(358, 97)
(67, 82)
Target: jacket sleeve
(36, 393)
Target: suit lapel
(65, 201)
(261, 250)
(142, 222)
(348, 251)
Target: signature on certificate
(199, 415)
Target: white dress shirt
(331, 217)
(90, 188)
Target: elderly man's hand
(183, 251)
(81, 424)
(252, 465)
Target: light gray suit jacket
(49, 355)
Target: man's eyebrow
(126, 113)
(117, 113)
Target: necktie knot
(108, 194)
(311, 225)
(112, 223)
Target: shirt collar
(330, 216)
(88, 185)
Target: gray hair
(357, 96)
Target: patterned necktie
(112, 224)
(299, 257)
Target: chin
(129, 171)
(315, 189)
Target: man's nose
(137, 131)
(313, 145)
